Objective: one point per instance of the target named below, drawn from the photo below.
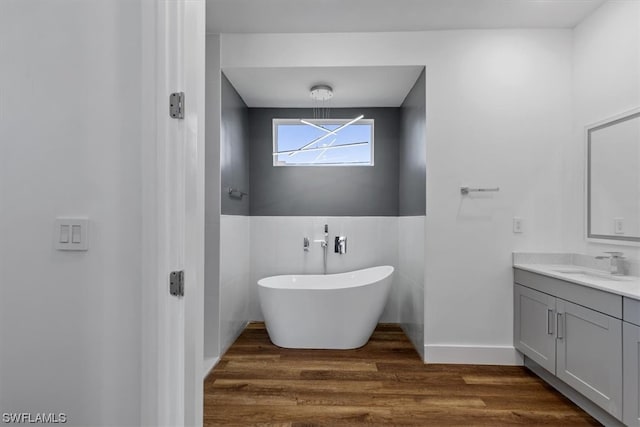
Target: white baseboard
(208, 365)
(472, 355)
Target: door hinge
(176, 283)
(176, 105)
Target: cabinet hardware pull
(549, 321)
(560, 335)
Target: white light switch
(76, 234)
(64, 234)
(517, 224)
(71, 234)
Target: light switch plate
(71, 234)
(517, 224)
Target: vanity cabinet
(631, 362)
(589, 354)
(577, 338)
(534, 328)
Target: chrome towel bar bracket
(466, 190)
(235, 193)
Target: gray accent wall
(413, 151)
(234, 150)
(328, 190)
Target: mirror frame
(603, 238)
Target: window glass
(324, 142)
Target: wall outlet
(618, 225)
(517, 224)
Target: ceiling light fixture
(323, 148)
(321, 93)
(308, 123)
(326, 135)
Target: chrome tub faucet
(324, 244)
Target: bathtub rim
(285, 281)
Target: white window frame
(276, 121)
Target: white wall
(276, 248)
(498, 108)
(234, 278)
(412, 201)
(498, 113)
(606, 82)
(409, 279)
(70, 120)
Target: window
(323, 142)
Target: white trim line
(472, 355)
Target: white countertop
(627, 286)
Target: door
(173, 226)
(631, 369)
(534, 332)
(589, 354)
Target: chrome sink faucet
(617, 269)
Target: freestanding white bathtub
(332, 311)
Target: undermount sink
(578, 273)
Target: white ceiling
(367, 86)
(321, 16)
(352, 86)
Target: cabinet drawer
(631, 311)
(596, 299)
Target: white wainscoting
(234, 278)
(259, 246)
(410, 278)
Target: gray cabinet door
(533, 332)
(589, 349)
(631, 368)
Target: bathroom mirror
(613, 178)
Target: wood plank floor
(382, 383)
